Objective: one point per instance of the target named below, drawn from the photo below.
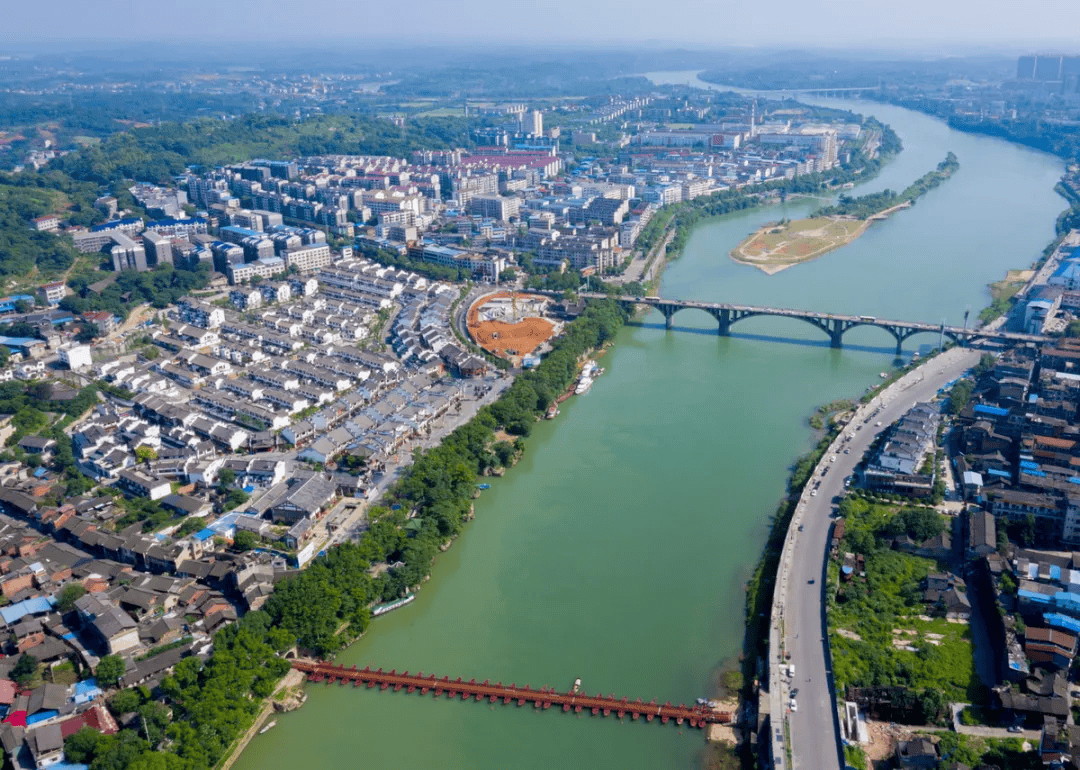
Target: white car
(813, 493)
(793, 705)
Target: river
(618, 549)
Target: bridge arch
(834, 326)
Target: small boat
(382, 609)
(552, 412)
(882, 375)
(268, 726)
(483, 486)
(577, 685)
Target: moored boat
(382, 609)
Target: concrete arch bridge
(834, 325)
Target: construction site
(511, 325)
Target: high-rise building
(536, 123)
(158, 248)
(1045, 68)
(126, 253)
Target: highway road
(814, 725)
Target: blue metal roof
(242, 231)
(1029, 464)
(1033, 596)
(19, 342)
(86, 691)
(115, 224)
(41, 716)
(39, 605)
(203, 535)
(1062, 621)
(173, 222)
(996, 472)
(996, 411)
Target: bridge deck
(696, 716)
(736, 312)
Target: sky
(941, 25)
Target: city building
(75, 357)
(53, 292)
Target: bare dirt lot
(509, 338)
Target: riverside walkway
(835, 325)
(544, 698)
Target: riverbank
(288, 689)
(779, 576)
(796, 609)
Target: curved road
(814, 725)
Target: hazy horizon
(919, 26)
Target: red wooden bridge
(545, 697)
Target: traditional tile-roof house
(917, 753)
(109, 625)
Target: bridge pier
(723, 318)
(836, 333)
(669, 312)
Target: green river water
(618, 549)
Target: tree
(154, 719)
(125, 701)
(986, 363)
(932, 702)
(22, 306)
(226, 477)
(145, 454)
(69, 595)
(244, 540)
(88, 333)
(234, 499)
(504, 452)
(959, 396)
(110, 669)
(82, 746)
(25, 669)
